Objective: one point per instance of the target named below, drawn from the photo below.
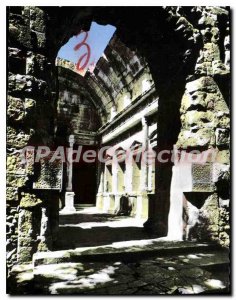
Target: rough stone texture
(203, 110)
(78, 111)
(205, 118)
(12, 231)
(29, 222)
(30, 114)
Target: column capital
(71, 140)
(144, 120)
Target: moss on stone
(16, 181)
(29, 200)
(11, 194)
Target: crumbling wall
(30, 115)
(205, 125)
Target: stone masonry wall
(30, 114)
(76, 111)
(205, 124)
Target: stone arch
(171, 59)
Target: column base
(69, 203)
(156, 222)
(156, 227)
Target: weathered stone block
(220, 172)
(224, 239)
(17, 138)
(221, 106)
(28, 85)
(207, 20)
(14, 164)
(205, 84)
(16, 180)
(197, 137)
(38, 39)
(223, 156)
(211, 52)
(16, 61)
(222, 136)
(222, 120)
(25, 241)
(203, 69)
(215, 34)
(29, 104)
(36, 64)
(25, 222)
(26, 12)
(219, 68)
(15, 109)
(199, 118)
(193, 101)
(16, 83)
(37, 19)
(29, 201)
(25, 254)
(20, 35)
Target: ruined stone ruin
(163, 85)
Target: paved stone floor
(172, 274)
(89, 227)
(123, 262)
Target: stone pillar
(31, 103)
(115, 183)
(143, 206)
(45, 234)
(150, 186)
(144, 164)
(70, 163)
(69, 197)
(128, 172)
(105, 204)
(29, 224)
(106, 193)
(100, 184)
(100, 179)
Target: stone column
(69, 197)
(128, 172)
(144, 164)
(100, 179)
(142, 207)
(100, 183)
(29, 223)
(115, 183)
(150, 168)
(45, 237)
(70, 163)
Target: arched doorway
(172, 46)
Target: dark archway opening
(171, 55)
(84, 182)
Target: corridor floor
(103, 254)
(89, 227)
